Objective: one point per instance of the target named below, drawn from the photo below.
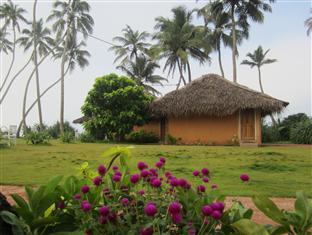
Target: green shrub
(142, 136)
(85, 137)
(54, 130)
(37, 137)
(169, 139)
(68, 137)
(270, 134)
(290, 122)
(302, 133)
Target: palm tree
(5, 44)
(241, 11)
(178, 40)
(132, 43)
(71, 17)
(142, 72)
(12, 15)
(257, 59)
(308, 24)
(39, 40)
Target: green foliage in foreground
(99, 203)
(277, 171)
(37, 137)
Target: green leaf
(37, 196)
(12, 219)
(303, 208)
(37, 223)
(20, 201)
(29, 192)
(71, 185)
(46, 202)
(248, 227)
(269, 208)
(51, 185)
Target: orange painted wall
(152, 126)
(206, 130)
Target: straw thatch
(80, 120)
(213, 95)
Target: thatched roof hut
(212, 95)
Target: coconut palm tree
(132, 44)
(142, 72)
(12, 15)
(5, 43)
(308, 24)
(179, 40)
(71, 17)
(39, 40)
(257, 59)
(241, 11)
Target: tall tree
(257, 59)
(308, 24)
(132, 44)
(142, 72)
(12, 15)
(5, 43)
(71, 17)
(179, 40)
(241, 11)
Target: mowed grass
(274, 171)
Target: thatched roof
(213, 95)
(80, 120)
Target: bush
(54, 130)
(290, 122)
(113, 201)
(37, 137)
(302, 133)
(142, 137)
(68, 137)
(86, 138)
(169, 139)
(270, 134)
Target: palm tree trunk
(24, 101)
(62, 94)
(220, 62)
(234, 49)
(12, 61)
(189, 72)
(36, 65)
(260, 82)
(181, 72)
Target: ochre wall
(205, 130)
(152, 126)
(258, 128)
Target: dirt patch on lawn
(258, 216)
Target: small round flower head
(205, 171)
(146, 231)
(176, 218)
(142, 165)
(106, 191)
(196, 173)
(112, 216)
(77, 196)
(124, 188)
(156, 183)
(115, 168)
(118, 173)
(144, 173)
(125, 201)
(116, 178)
(85, 206)
(150, 209)
(101, 169)
(85, 189)
(162, 159)
(188, 185)
(214, 186)
(182, 182)
(216, 215)
(206, 179)
(159, 164)
(134, 178)
(103, 219)
(104, 210)
(174, 182)
(141, 192)
(61, 204)
(168, 174)
(191, 231)
(244, 177)
(153, 171)
(206, 210)
(175, 207)
(206, 221)
(97, 180)
(201, 188)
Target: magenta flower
(162, 159)
(85, 189)
(176, 218)
(216, 215)
(182, 182)
(112, 216)
(144, 173)
(146, 231)
(206, 179)
(85, 206)
(142, 165)
(191, 231)
(103, 219)
(150, 209)
(97, 180)
(77, 196)
(116, 178)
(115, 168)
(156, 183)
(196, 173)
(101, 169)
(201, 188)
(206, 221)
(175, 207)
(174, 182)
(61, 204)
(106, 191)
(134, 178)
(153, 171)
(168, 174)
(104, 210)
(205, 171)
(118, 173)
(125, 201)
(206, 210)
(244, 177)
(214, 186)
(159, 164)
(141, 192)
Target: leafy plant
(142, 136)
(302, 133)
(54, 130)
(85, 137)
(37, 137)
(67, 137)
(169, 139)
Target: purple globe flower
(85, 206)
(191, 231)
(146, 231)
(156, 183)
(103, 219)
(150, 209)
(116, 178)
(118, 173)
(244, 177)
(159, 164)
(141, 192)
(201, 188)
(168, 174)
(162, 159)
(97, 180)
(216, 215)
(153, 171)
(106, 191)
(125, 201)
(205, 171)
(214, 186)
(206, 210)
(206, 179)
(206, 221)
(175, 207)
(115, 168)
(142, 165)
(85, 189)
(182, 182)
(134, 178)
(61, 204)
(144, 173)
(196, 173)
(104, 210)
(174, 182)
(101, 169)
(77, 196)
(176, 218)
(217, 206)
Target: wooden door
(248, 125)
(163, 123)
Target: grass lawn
(274, 171)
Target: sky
(283, 32)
